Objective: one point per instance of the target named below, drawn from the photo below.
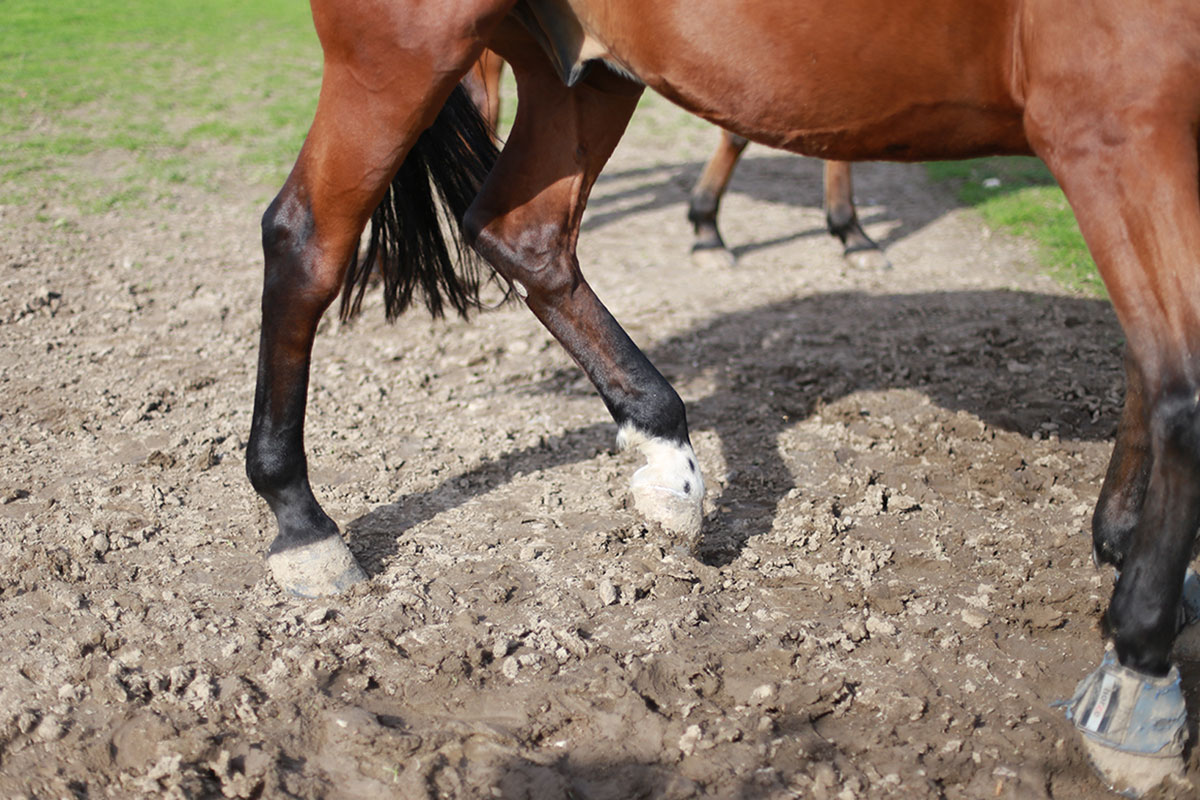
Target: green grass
(107, 104)
(1021, 196)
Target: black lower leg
(1143, 615)
(275, 460)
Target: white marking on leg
(669, 489)
(520, 289)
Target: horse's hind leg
(379, 91)
(842, 220)
(1131, 177)
(705, 201)
(526, 223)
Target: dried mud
(893, 587)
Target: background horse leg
(707, 245)
(359, 137)
(842, 220)
(1136, 195)
(840, 215)
(527, 222)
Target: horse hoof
(318, 569)
(868, 260)
(678, 513)
(713, 258)
(1133, 725)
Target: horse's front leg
(380, 89)
(1131, 177)
(526, 223)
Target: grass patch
(97, 95)
(1021, 196)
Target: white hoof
(1133, 725)
(869, 260)
(316, 570)
(713, 258)
(678, 513)
(669, 489)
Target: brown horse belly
(840, 79)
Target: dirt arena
(893, 587)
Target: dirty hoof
(678, 513)
(1133, 725)
(316, 570)
(713, 258)
(669, 489)
(868, 259)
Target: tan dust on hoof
(316, 570)
(713, 258)
(679, 514)
(869, 260)
(1131, 774)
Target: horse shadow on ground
(599, 779)
(774, 177)
(1019, 361)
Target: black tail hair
(408, 230)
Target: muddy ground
(893, 587)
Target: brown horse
(1107, 93)
(482, 83)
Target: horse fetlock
(668, 489)
(317, 569)
(1133, 725)
(702, 209)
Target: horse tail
(416, 240)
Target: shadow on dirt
(1022, 362)
(772, 177)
